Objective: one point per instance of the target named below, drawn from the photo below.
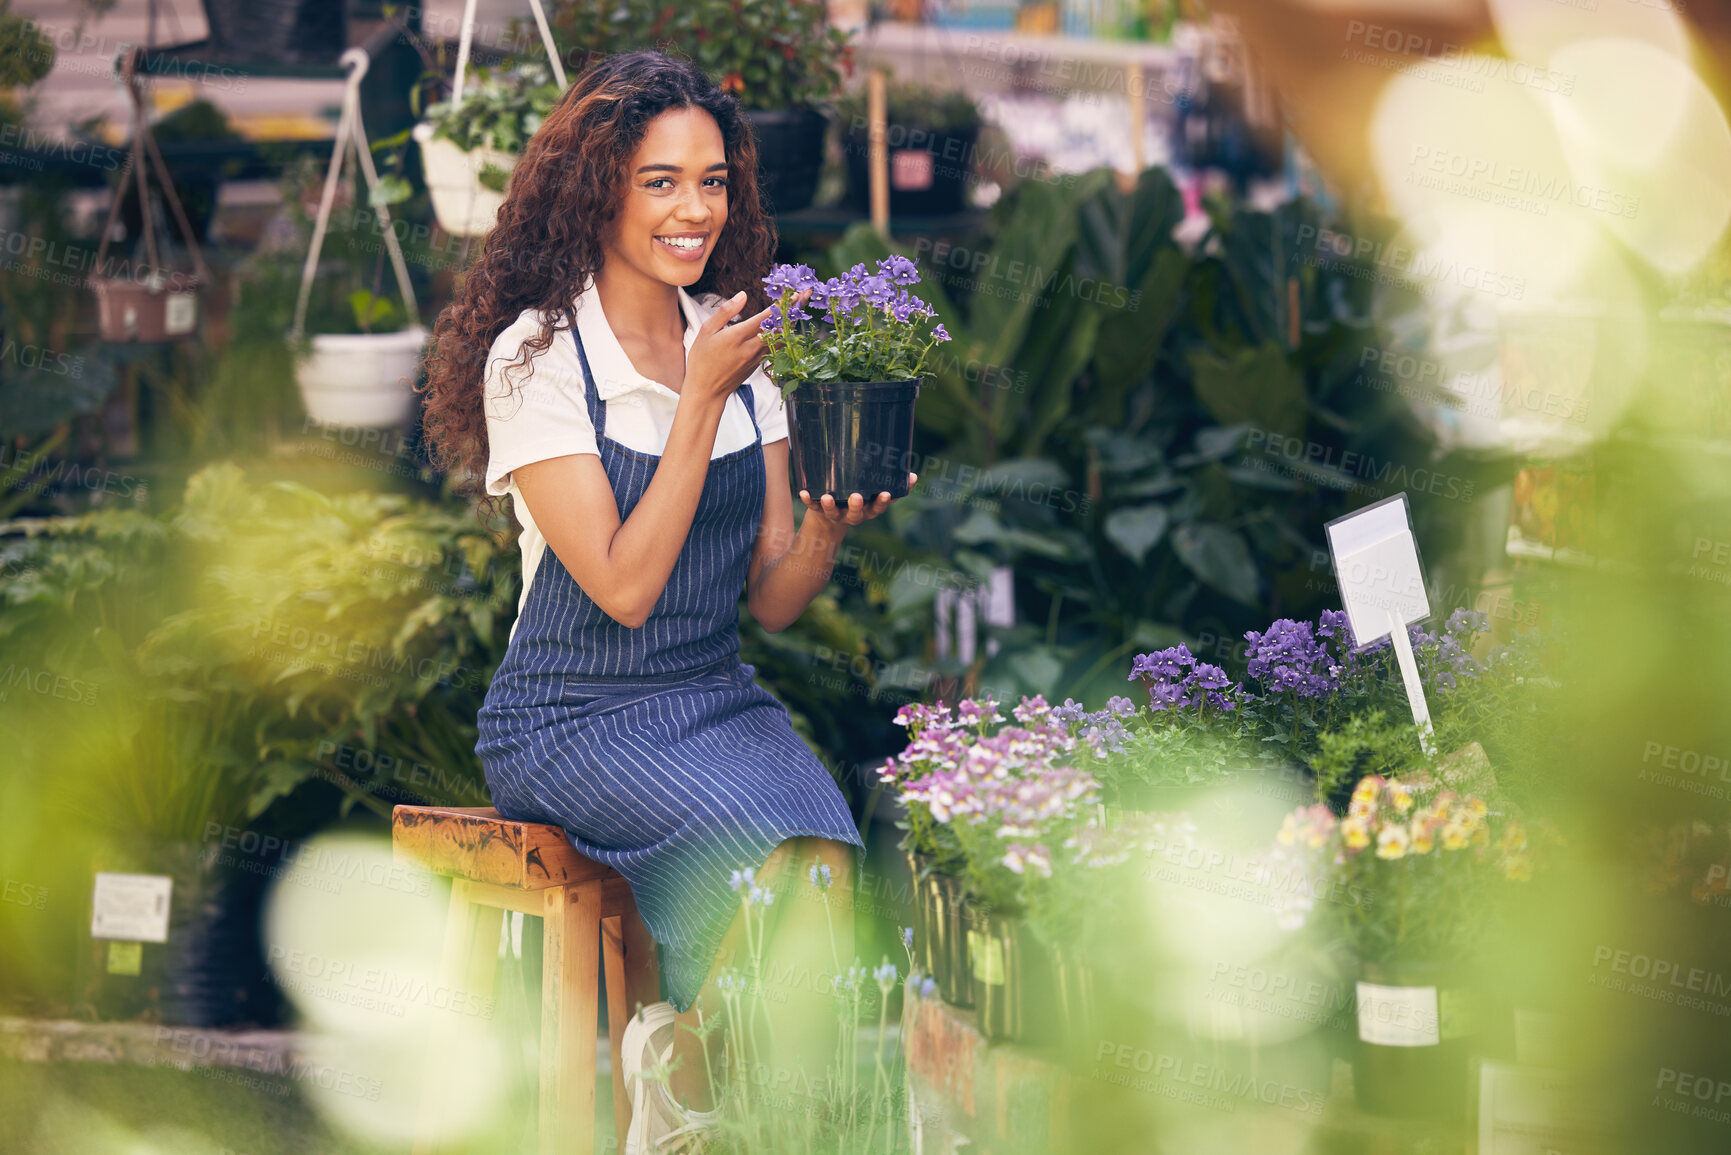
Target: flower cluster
(1007, 791)
(1392, 825)
(1176, 680)
(872, 327)
(1287, 658)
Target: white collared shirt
(539, 412)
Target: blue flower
(908, 936)
(772, 322)
(941, 333)
(820, 876)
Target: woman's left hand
(855, 511)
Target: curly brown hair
(547, 243)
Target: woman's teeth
(682, 242)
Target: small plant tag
(1398, 1016)
(125, 958)
(1381, 582)
(131, 906)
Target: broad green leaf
(1256, 387)
(1137, 529)
(1219, 557)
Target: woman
(645, 454)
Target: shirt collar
(613, 371)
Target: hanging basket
(464, 206)
(161, 307)
(359, 379)
(156, 303)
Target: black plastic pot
(282, 31)
(925, 912)
(852, 437)
(1416, 1080)
(929, 169)
(951, 920)
(211, 972)
(1016, 995)
(789, 155)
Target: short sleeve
(771, 410)
(536, 412)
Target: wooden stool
(498, 865)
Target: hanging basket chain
(144, 144)
(467, 36)
(350, 131)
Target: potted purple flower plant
(848, 354)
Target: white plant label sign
(1398, 1016)
(1381, 584)
(131, 906)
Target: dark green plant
(501, 109)
(1128, 479)
(914, 106)
(771, 54)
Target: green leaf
(391, 190)
(1137, 529)
(1219, 557)
(1258, 387)
(492, 177)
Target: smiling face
(675, 200)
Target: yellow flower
(1402, 796)
(1391, 842)
(1288, 830)
(1423, 837)
(1455, 836)
(1518, 868)
(1355, 832)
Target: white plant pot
(465, 207)
(364, 379)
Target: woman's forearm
(789, 582)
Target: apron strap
(597, 407)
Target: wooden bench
(497, 865)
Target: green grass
(117, 1109)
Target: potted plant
(848, 357)
(995, 806)
(357, 351)
(469, 147)
(1413, 876)
(779, 58)
(930, 134)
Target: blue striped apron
(654, 748)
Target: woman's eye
(717, 182)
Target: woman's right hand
(723, 355)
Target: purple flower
(790, 278)
(899, 269)
(771, 323)
(1167, 663)
(1287, 658)
(841, 294)
(941, 333)
(876, 290)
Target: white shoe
(658, 1124)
